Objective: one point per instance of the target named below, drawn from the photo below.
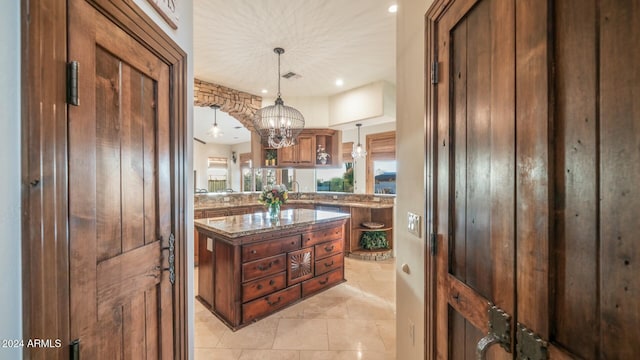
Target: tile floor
(351, 321)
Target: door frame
(44, 158)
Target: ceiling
(323, 40)
(233, 132)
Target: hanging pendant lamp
(358, 151)
(278, 125)
(215, 130)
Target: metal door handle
(484, 344)
(499, 331)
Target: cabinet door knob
(259, 287)
(254, 251)
(271, 282)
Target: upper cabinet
(313, 148)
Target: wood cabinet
(299, 155)
(304, 153)
(360, 215)
(244, 279)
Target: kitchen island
(251, 266)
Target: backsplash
(238, 199)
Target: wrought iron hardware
(172, 259)
(434, 72)
(530, 346)
(434, 240)
(72, 83)
(74, 350)
(499, 332)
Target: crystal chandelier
(215, 130)
(278, 125)
(358, 151)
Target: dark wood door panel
(120, 213)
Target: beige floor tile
(208, 332)
(370, 308)
(387, 331)
(353, 320)
(270, 355)
(259, 335)
(217, 354)
(359, 335)
(302, 334)
(342, 355)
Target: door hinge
(529, 345)
(434, 72)
(172, 259)
(433, 239)
(74, 350)
(72, 83)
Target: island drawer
(264, 286)
(320, 282)
(260, 268)
(320, 236)
(270, 303)
(328, 248)
(269, 248)
(328, 264)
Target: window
(217, 174)
(384, 176)
(340, 180)
(381, 163)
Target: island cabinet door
(299, 266)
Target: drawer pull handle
(272, 303)
(259, 287)
(326, 280)
(328, 248)
(293, 243)
(263, 268)
(271, 282)
(254, 252)
(328, 264)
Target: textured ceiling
(323, 40)
(233, 132)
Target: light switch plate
(209, 244)
(414, 223)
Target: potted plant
(271, 157)
(372, 240)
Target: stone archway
(241, 105)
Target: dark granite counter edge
(375, 205)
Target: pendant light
(358, 151)
(215, 130)
(278, 125)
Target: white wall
(10, 244)
(201, 153)
(234, 169)
(410, 62)
(365, 102)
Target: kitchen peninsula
(251, 266)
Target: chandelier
(358, 151)
(278, 125)
(215, 130)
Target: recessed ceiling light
(264, 91)
(393, 8)
(339, 82)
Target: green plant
(371, 240)
(271, 154)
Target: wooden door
(536, 169)
(475, 170)
(120, 194)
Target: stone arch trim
(241, 105)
